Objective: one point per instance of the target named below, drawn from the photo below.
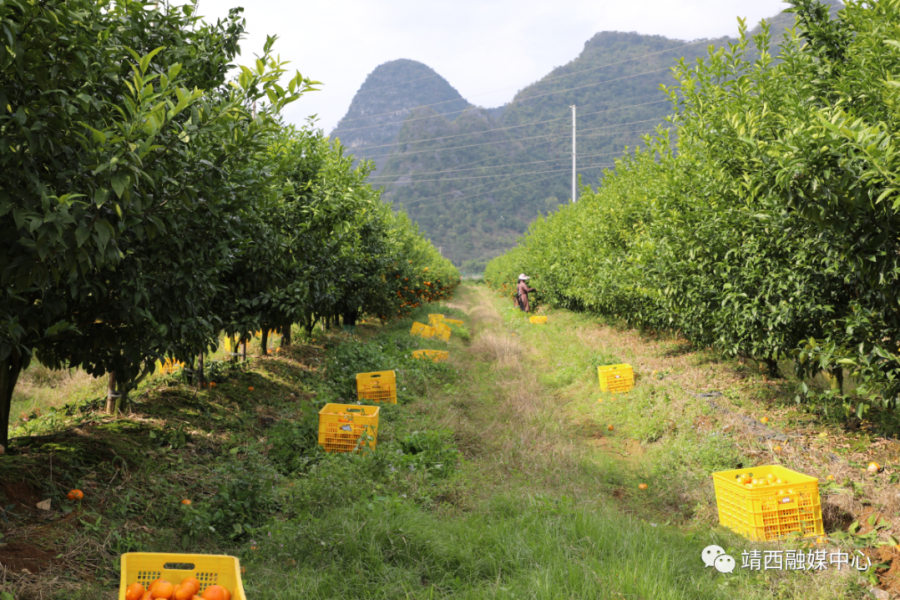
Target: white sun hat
(524, 276)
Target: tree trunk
(111, 393)
(837, 380)
(200, 369)
(772, 366)
(286, 336)
(264, 341)
(10, 369)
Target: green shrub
(244, 499)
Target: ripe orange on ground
(75, 495)
(212, 384)
(777, 448)
(250, 388)
(874, 467)
(134, 591)
(642, 486)
(610, 427)
(764, 420)
(186, 502)
(830, 478)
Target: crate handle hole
(179, 566)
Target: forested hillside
(388, 95)
(473, 179)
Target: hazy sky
(486, 49)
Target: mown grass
(490, 479)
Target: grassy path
(543, 504)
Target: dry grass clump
(500, 348)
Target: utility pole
(573, 154)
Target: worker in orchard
(522, 292)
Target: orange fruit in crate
(214, 592)
(163, 589)
(146, 596)
(134, 591)
(192, 581)
(183, 592)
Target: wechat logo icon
(714, 556)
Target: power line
(408, 120)
(530, 123)
(493, 176)
(508, 176)
(487, 192)
(539, 81)
(510, 141)
(491, 167)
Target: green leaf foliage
(764, 224)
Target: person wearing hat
(522, 292)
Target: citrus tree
(122, 142)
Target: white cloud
(479, 46)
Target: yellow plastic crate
(209, 569)
(442, 331)
(421, 330)
(435, 319)
(769, 512)
(433, 355)
(538, 320)
(170, 366)
(453, 322)
(616, 378)
(380, 386)
(344, 427)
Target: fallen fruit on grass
(777, 449)
(642, 486)
(186, 502)
(609, 427)
(764, 420)
(874, 467)
(135, 591)
(75, 495)
(212, 384)
(250, 388)
(600, 400)
(830, 478)
(821, 540)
